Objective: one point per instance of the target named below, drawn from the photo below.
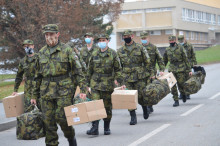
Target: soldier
(155, 56)
(26, 68)
(179, 66)
(190, 54)
(54, 65)
(104, 68)
(137, 70)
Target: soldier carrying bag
(30, 125)
(202, 70)
(194, 84)
(156, 91)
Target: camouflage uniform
(26, 68)
(179, 66)
(190, 51)
(54, 66)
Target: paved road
(194, 123)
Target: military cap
(127, 32)
(172, 37)
(28, 42)
(180, 37)
(144, 34)
(103, 36)
(88, 34)
(50, 28)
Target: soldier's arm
(193, 56)
(147, 62)
(37, 81)
(159, 59)
(165, 58)
(19, 77)
(185, 59)
(118, 70)
(90, 69)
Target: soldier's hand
(82, 96)
(14, 94)
(116, 82)
(190, 73)
(153, 77)
(88, 89)
(33, 101)
(161, 73)
(123, 87)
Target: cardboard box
(85, 112)
(77, 91)
(170, 79)
(14, 105)
(124, 99)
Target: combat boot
(151, 108)
(184, 98)
(176, 103)
(133, 118)
(107, 130)
(94, 129)
(72, 142)
(187, 96)
(181, 96)
(145, 112)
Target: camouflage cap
(180, 37)
(172, 37)
(103, 36)
(127, 32)
(144, 34)
(50, 28)
(28, 42)
(88, 34)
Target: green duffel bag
(194, 84)
(156, 91)
(30, 125)
(201, 70)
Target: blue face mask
(181, 44)
(102, 45)
(144, 41)
(88, 40)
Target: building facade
(198, 20)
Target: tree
(23, 19)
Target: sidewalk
(6, 123)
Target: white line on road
(192, 110)
(216, 95)
(149, 135)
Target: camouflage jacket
(54, 67)
(26, 68)
(178, 59)
(85, 54)
(104, 68)
(135, 62)
(190, 53)
(155, 57)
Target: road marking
(216, 95)
(192, 110)
(149, 135)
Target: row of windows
(196, 36)
(146, 10)
(199, 17)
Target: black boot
(184, 98)
(176, 103)
(187, 96)
(72, 142)
(133, 118)
(107, 130)
(181, 96)
(94, 129)
(151, 108)
(145, 112)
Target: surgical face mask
(102, 45)
(144, 41)
(88, 40)
(29, 51)
(181, 44)
(127, 40)
(172, 44)
(51, 40)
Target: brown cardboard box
(124, 99)
(14, 105)
(77, 91)
(85, 112)
(170, 79)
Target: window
(213, 19)
(197, 36)
(201, 36)
(192, 35)
(155, 32)
(187, 35)
(219, 20)
(158, 10)
(131, 11)
(169, 31)
(206, 37)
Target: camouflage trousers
(106, 96)
(181, 78)
(139, 85)
(53, 113)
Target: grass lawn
(6, 76)
(8, 88)
(210, 55)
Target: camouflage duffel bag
(203, 72)
(30, 125)
(193, 85)
(156, 91)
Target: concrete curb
(7, 125)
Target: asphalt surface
(194, 123)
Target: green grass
(8, 89)
(210, 55)
(7, 76)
